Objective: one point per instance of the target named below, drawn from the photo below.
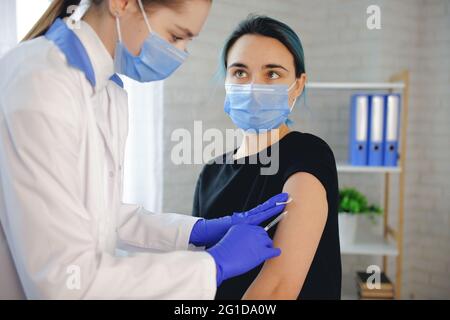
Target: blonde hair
(59, 9)
(56, 9)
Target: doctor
(63, 126)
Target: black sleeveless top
(224, 187)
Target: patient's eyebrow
(238, 65)
(274, 66)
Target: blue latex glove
(207, 232)
(243, 248)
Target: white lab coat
(61, 157)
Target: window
(28, 13)
(144, 151)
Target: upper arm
(298, 236)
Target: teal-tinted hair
(268, 27)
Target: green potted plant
(353, 203)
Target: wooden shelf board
(344, 167)
(356, 85)
(367, 243)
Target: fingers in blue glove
(240, 250)
(207, 232)
(272, 202)
(259, 218)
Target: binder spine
(376, 124)
(392, 129)
(359, 116)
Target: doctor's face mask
(157, 60)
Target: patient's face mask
(158, 58)
(258, 106)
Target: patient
(268, 55)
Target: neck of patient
(253, 143)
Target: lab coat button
(111, 174)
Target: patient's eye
(240, 74)
(272, 75)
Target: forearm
(272, 290)
(160, 231)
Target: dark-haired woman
(264, 66)
(63, 126)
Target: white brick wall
(427, 256)
(339, 47)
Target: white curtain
(8, 25)
(143, 171)
(10, 287)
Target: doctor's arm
(142, 228)
(170, 231)
(298, 236)
(54, 240)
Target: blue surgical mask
(158, 58)
(258, 106)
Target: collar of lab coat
(85, 51)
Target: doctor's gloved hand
(243, 248)
(207, 232)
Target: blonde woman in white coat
(63, 126)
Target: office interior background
(412, 47)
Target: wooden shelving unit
(390, 243)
